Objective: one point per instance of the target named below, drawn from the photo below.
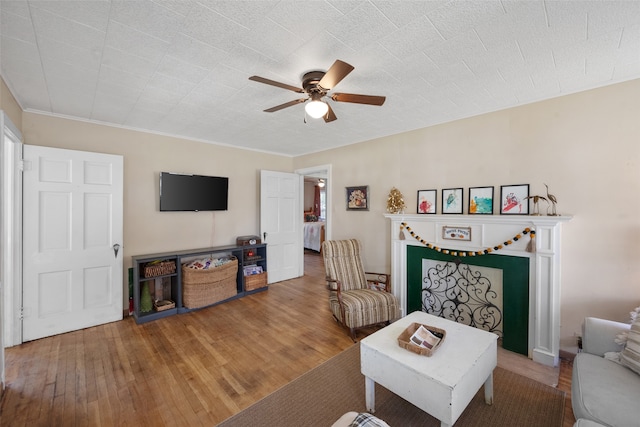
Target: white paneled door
(281, 223)
(72, 250)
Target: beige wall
(146, 229)
(9, 105)
(585, 146)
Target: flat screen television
(179, 192)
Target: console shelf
(153, 274)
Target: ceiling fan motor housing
(310, 84)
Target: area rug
(322, 395)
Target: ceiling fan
(317, 84)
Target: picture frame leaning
(481, 200)
(514, 199)
(452, 201)
(427, 201)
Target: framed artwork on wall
(513, 199)
(481, 200)
(358, 198)
(452, 201)
(427, 201)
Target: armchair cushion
(364, 307)
(343, 263)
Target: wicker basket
(205, 287)
(255, 281)
(405, 336)
(159, 269)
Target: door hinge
(24, 165)
(21, 314)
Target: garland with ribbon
(530, 246)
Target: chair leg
(352, 333)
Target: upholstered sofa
(604, 391)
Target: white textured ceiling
(181, 67)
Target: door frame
(11, 292)
(324, 172)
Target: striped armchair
(357, 299)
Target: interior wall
(309, 195)
(9, 105)
(584, 146)
(146, 229)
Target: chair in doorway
(357, 298)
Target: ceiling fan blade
(335, 74)
(330, 116)
(358, 99)
(275, 83)
(285, 105)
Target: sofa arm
(598, 335)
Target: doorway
(315, 208)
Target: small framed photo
(427, 201)
(481, 200)
(358, 198)
(513, 199)
(452, 201)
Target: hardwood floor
(191, 369)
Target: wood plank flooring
(194, 369)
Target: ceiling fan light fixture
(316, 109)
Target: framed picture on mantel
(513, 199)
(452, 201)
(481, 200)
(427, 201)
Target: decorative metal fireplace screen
(464, 293)
(515, 289)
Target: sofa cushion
(630, 356)
(587, 423)
(604, 391)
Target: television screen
(180, 192)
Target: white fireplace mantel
(488, 231)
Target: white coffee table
(441, 385)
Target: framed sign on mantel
(456, 233)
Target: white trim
(10, 238)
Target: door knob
(116, 248)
